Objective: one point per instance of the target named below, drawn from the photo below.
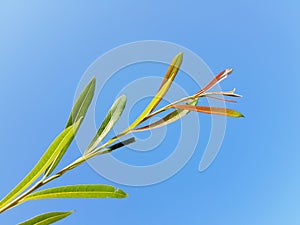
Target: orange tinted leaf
(221, 99)
(221, 76)
(210, 110)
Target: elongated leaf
(58, 145)
(82, 103)
(210, 110)
(170, 118)
(226, 93)
(169, 77)
(221, 76)
(47, 218)
(79, 191)
(78, 111)
(111, 118)
(221, 99)
(54, 163)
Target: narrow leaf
(111, 118)
(170, 74)
(221, 99)
(79, 191)
(82, 103)
(221, 76)
(227, 93)
(170, 118)
(210, 110)
(79, 110)
(169, 77)
(47, 218)
(58, 145)
(57, 159)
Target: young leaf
(170, 118)
(111, 118)
(221, 99)
(47, 218)
(82, 103)
(169, 77)
(221, 76)
(58, 145)
(226, 93)
(79, 191)
(210, 110)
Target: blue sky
(46, 46)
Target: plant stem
(168, 106)
(21, 199)
(16, 200)
(112, 140)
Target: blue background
(45, 46)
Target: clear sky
(45, 46)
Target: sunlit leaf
(111, 118)
(170, 118)
(169, 77)
(82, 103)
(221, 76)
(78, 111)
(79, 191)
(47, 218)
(210, 110)
(59, 144)
(221, 99)
(57, 159)
(227, 93)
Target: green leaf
(47, 218)
(210, 110)
(79, 191)
(57, 159)
(111, 118)
(170, 75)
(170, 118)
(79, 110)
(58, 145)
(168, 79)
(82, 103)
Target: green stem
(21, 199)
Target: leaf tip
(177, 60)
(239, 115)
(180, 55)
(242, 115)
(122, 193)
(123, 97)
(93, 80)
(229, 71)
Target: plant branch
(21, 198)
